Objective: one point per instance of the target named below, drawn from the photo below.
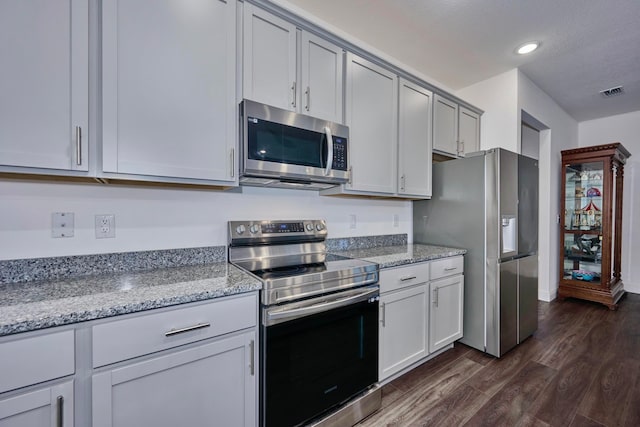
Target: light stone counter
(29, 306)
(394, 256)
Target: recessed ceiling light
(527, 48)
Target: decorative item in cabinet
(591, 241)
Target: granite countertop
(394, 256)
(42, 304)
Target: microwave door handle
(327, 131)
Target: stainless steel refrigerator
(487, 203)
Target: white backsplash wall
(155, 218)
(623, 128)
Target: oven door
(317, 354)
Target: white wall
(503, 98)
(498, 97)
(624, 128)
(153, 218)
(562, 134)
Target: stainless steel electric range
(319, 324)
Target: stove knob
(319, 226)
(309, 227)
(240, 229)
(254, 229)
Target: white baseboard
(633, 288)
(547, 296)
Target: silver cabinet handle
(293, 89)
(450, 268)
(252, 358)
(187, 329)
(462, 145)
(60, 409)
(404, 279)
(350, 175)
(308, 93)
(233, 172)
(78, 145)
(383, 316)
(435, 297)
(327, 132)
(402, 182)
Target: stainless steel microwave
(280, 148)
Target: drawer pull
(450, 268)
(60, 410)
(404, 279)
(187, 329)
(252, 368)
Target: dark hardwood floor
(580, 368)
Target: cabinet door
(169, 88)
(403, 329)
(468, 131)
(269, 62)
(445, 314)
(322, 76)
(445, 125)
(372, 117)
(211, 383)
(47, 407)
(44, 84)
(414, 140)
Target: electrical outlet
(62, 224)
(105, 226)
(352, 221)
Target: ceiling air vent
(614, 91)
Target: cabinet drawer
(401, 277)
(137, 336)
(33, 360)
(447, 267)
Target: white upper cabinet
(468, 131)
(322, 78)
(456, 129)
(445, 125)
(44, 84)
(269, 59)
(274, 73)
(414, 140)
(372, 117)
(168, 92)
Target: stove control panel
(250, 232)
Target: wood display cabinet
(591, 235)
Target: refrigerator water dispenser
(509, 234)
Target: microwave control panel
(339, 153)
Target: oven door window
(316, 362)
(273, 142)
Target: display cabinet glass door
(584, 208)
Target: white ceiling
(587, 45)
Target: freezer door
(527, 205)
(508, 306)
(528, 296)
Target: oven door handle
(296, 313)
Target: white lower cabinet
(213, 383)
(418, 315)
(403, 329)
(33, 389)
(192, 365)
(50, 406)
(445, 313)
